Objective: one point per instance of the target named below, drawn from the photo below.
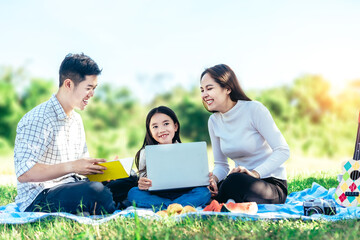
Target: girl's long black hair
(149, 140)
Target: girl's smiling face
(162, 128)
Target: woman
(244, 131)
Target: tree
(312, 98)
(10, 110)
(278, 101)
(37, 92)
(111, 107)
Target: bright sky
(152, 45)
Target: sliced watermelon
(214, 206)
(245, 207)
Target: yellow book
(116, 169)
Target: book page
(115, 170)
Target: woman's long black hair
(226, 78)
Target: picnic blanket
(292, 209)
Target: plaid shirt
(46, 135)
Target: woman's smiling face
(214, 96)
(162, 128)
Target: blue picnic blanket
(292, 209)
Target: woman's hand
(241, 169)
(213, 180)
(144, 183)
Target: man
(50, 149)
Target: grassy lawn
(210, 228)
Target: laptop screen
(179, 165)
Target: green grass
(190, 228)
(212, 228)
(7, 194)
(299, 182)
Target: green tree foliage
(10, 108)
(347, 102)
(311, 94)
(112, 122)
(280, 103)
(112, 107)
(313, 120)
(38, 91)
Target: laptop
(119, 168)
(177, 166)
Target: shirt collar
(233, 109)
(59, 111)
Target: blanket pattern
(292, 209)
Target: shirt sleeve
(31, 142)
(85, 153)
(142, 164)
(221, 164)
(266, 126)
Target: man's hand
(213, 180)
(241, 169)
(86, 166)
(144, 183)
(44, 172)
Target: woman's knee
(236, 179)
(236, 186)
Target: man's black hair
(76, 67)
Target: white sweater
(249, 136)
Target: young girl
(162, 127)
(244, 131)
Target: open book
(119, 168)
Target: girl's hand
(213, 184)
(144, 183)
(241, 169)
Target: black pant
(244, 188)
(121, 187)
(75, 197)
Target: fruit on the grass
(174, 208)
(214, 206)
(162, 213)
(245, 207)
(187, 209)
